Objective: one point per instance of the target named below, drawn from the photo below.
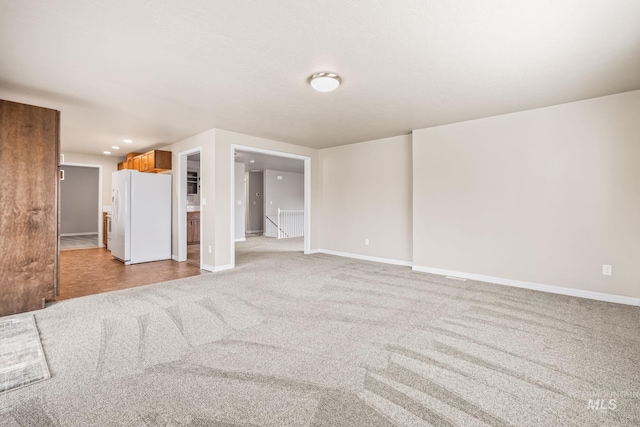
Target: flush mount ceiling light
(325, 82)
(127, 141)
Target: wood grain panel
(29, 213)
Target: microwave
(193, 183)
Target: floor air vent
(456, 278)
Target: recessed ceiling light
(115, 147)
(107, 152)
(128, 141)
(252, 161)
(325, 82)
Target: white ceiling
(158, 71)
(265, 161)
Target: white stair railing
(290, 223)
(271, 227)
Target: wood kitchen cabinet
(155, 161)
(105, 229)
(193, 228)
(29, 212)
(131, 163)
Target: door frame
(307, 193)
(181, 193)
(99, 167)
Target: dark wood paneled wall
(29, 153)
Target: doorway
(189, 201)
(254, 211)
(271, 208)
(80, 205)
(193, 208)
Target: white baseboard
(254, 231)
(214, 269)
(364, 257)
(78, 234)
(175, 258)
(313, 251)
(600, 296)
(207, 268)
(241, 240)
(223, 267)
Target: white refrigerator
(140, 216)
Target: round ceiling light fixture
(325, 82)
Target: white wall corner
(580, 293)
(207, 267)
(223, 267)
(213, 269)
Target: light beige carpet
(314, 340)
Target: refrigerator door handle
(116, 205)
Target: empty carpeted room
(461, 248)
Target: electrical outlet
(366, 241)
(606, 270)
(209, 248)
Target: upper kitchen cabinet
(29, 209)
(130, 163)
(153, 161)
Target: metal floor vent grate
(456, 278)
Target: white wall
(240, 198)
(545, 196)
(286, 193)
(366, 193)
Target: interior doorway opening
(81, 219)
(193, 209)
(271, 203)
(189, 202)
